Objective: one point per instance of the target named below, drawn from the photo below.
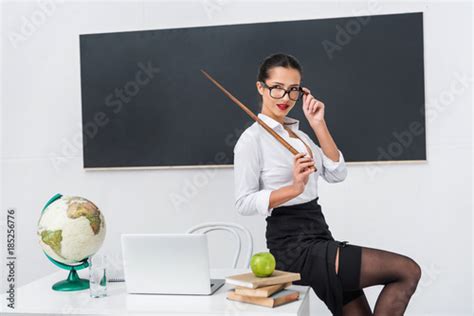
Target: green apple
(262, 264)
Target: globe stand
(72, 283)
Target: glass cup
(97, 275)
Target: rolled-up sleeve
(249, 198)
(333, 171)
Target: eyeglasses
(294, 93)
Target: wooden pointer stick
(254, 117)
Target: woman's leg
(358, 306)
(353, 299)
(400, 275)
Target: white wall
(422, 210)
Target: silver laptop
(167, 264)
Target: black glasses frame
(300, 90)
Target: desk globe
(70, 230)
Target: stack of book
(268, 291)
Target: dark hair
(277, 60)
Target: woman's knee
(414, 270)
(412, 273)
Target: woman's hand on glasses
(313, 108)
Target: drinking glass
(97, 275)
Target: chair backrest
(234, 230)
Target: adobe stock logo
(435, 108)
(214, 7)
(31, 23)
(403, 139)
(116, 100)
(351, 28)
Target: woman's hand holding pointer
(301, 171)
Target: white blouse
(262, 164)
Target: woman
(271, 182)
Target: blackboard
(145, 102)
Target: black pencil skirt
(300, 240)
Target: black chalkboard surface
(145, 102)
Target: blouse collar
(289, 122)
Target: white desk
(37, 297)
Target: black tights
(400, 275)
